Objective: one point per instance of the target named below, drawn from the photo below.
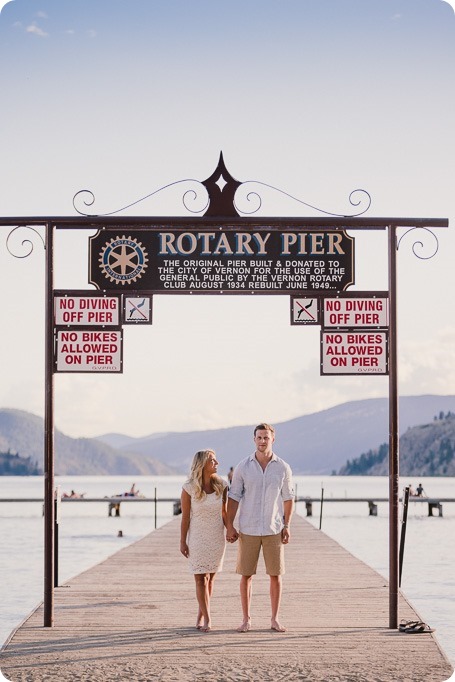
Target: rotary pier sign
(221, 259)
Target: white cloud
(37, 31)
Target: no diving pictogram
(304, 310)
(137, 310)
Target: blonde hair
(195, 478)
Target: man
(262, 486)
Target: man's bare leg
(275, 600)
(246, 588)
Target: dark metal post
(403, 530)
(393, 433)
(322, 504)
(155, 510)
(49, 435)
(56, 515)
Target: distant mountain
(119, 440)
(23, 433)
(318, 443)
(425, 450)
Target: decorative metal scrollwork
(190, 195)
(26, 243)
(223, 197)
(419, 244)
(364, 195)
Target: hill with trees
(427, 450)
(15, 465)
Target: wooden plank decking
(132, 618)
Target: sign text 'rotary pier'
(222, 260)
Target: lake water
(88, 535)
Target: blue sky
(315, 97)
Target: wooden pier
(132, 618)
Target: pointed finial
(221, 188)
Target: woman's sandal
(417, 627)
(406, 624)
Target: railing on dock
(114, 502)
(433, 503)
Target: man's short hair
(264, 427)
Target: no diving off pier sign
(353, 309)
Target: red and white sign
(87, 311)
(354, 352)
(353, 311)
(89, 350)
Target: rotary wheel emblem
(123, 260)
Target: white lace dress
(206, 537)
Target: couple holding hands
(262, 493)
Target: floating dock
(132, 617)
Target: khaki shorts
(249, 549)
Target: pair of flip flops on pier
(414, 627)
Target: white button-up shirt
(261, 494)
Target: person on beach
(262, 492)
(202, 538)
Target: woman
(202, 539)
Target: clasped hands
(231, 535)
